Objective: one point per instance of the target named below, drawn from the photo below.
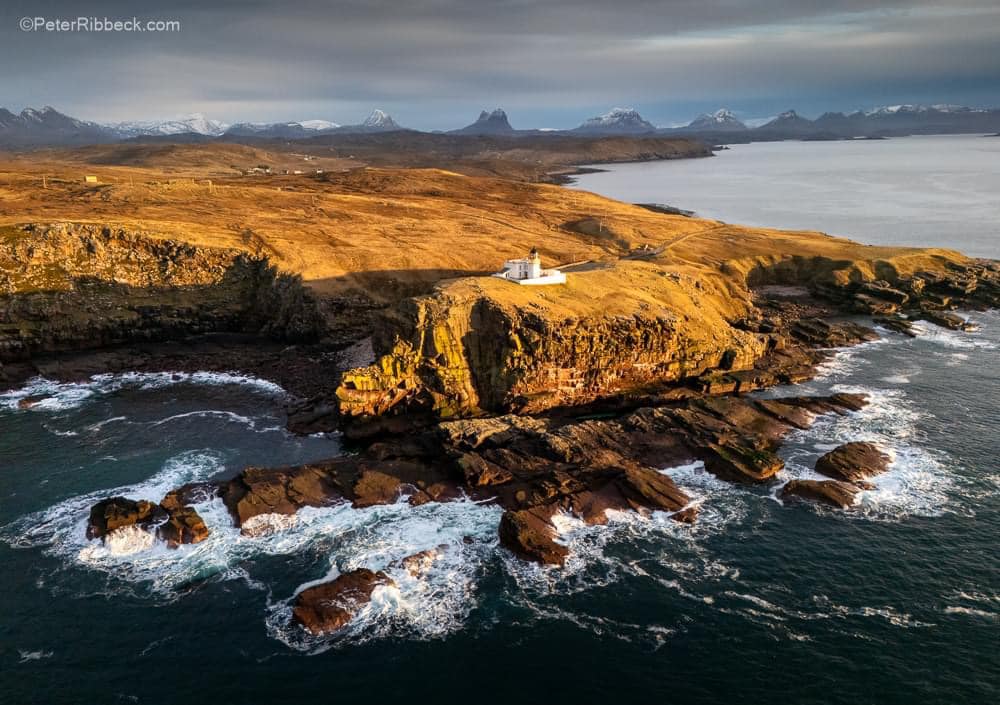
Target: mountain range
(45, 127)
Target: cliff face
(72, 287)
(488, 345)
(484, 345)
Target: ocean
(925, 191)
(896, 600)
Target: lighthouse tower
(534, 264)
(528, 270)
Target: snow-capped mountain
(617, 120)
(380, 120)
(281, 130)
(721, 119)
(316, 124)
(887, 110)
(195, 123)
(48, 126)
(488, 123)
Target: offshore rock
(833, 492)
(117, 512)
(530, 534)
(173, 522)
(278, 491)
(325, 608)
(184, 525)
(853, 462)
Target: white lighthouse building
(528, 271)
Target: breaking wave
(41, 394)
(436, 601)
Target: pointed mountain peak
(489, 123)
(380, 120)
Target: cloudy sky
(433, 64)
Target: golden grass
(398, 230)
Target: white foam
(121, 542)
(973, 612)
(268, 524)
(230, 415)
(431, 604)
(918, 481)
(33, 655)
(60, 396)
(950, 339)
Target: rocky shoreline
(570, 401)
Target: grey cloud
(552, 61)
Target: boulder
(327, 607)
(184, 525)
(833, 492)
(29, 402)
(479, 472)
(853, 462)
(117, 512)
(531, 535)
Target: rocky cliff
(77, 286)
(485, 345)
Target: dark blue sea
(894, 601)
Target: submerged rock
(833, 492)
(419, 564)
(853, 462)
(325, 608)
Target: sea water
(895, 600)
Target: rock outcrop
(115, 513)
(535, 468)
(530, 534)
(184, 525)
(833, 492)
(173, 522)
(328, 607)
(853, 462)
(71, 287)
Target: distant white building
(528, 271)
